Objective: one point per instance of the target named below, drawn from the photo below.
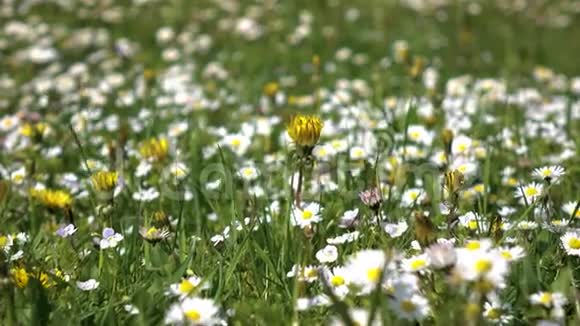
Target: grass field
(269, 162)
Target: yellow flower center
(311, 272)
(337, 280)
(307, 215)
(152, 230)
(493, 313)
(483, 265)
(530, 192)
(546, 173)
(507, 255)
(546, 298)
(473, 245)
(3, 241)
(418, 263)
(236, 142)
(186, 287)
(413, 195)
(472, 225)
(574, 243)
(373, 274)
(414, 135)
(193, 315)
(7, 123)
(408, 306)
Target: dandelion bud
(447, 137)
(271, 88)
(453, 181)
(417, 67)
(160, 218)
(154, 149)
(305, 129)
(316, 60)
(401, 51)
(52, 199)
(104, 181)
(424, 229)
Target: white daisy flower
(475, 265)
(187, 286)
(415, 307)
(146, 195)
(305, 216)
(549, 173)
(328, 254)
(416, 263)
(238, 143)
(248, 173)
(569, 208)
(348, 218)
(461, 145)
(548, 299)
(441, 254)
(178, 171)
(365, 268)
(358, 153)
(571, 243)
(339, 145)
(495, 312)
(358, 317)
(323, 152)
(412, 196)
(88, 285)
(395, 230)
(193, 311)
(530, 192)
(419, 134)
(512, 254)
(338, 280)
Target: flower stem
(297, 197)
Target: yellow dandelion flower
(19, 276)
(154, 149)
(104, 180)
(45, 280)
(305, 129)
(52, 199)
(271, 88)
(35, 131)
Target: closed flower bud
(305, 129)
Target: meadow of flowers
(270, 162)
